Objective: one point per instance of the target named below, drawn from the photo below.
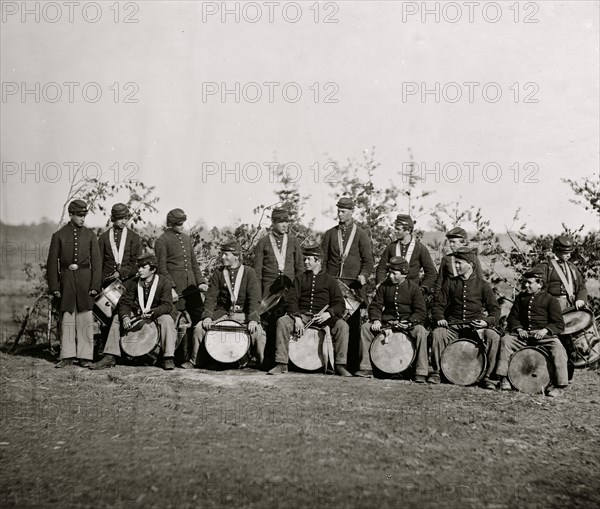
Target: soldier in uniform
(458, 309)
(535, 319)
(456, 237)
(400, 302)
(413, 251)
(74, 273)
(312, 291)
(119, 247)
(148, 297)
(233, 293)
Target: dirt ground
(143, 437)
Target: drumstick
(311, 322)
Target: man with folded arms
(458, 309)
(74, 272)
(312, 291)
(398, 302)
(147, 297)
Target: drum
(529, 370)
(227, 341)
(577, 320)
(392, 352)
(352, 299)
(312, 350)
(142, 339)
(107, 299)
(582, 327)
(464, 362)
(269, 303)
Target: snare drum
(142, 339)
(311, 350)
(529, 370)
(392, 352)
(582, 327)
(107, 299)
(227, 341)
(351, 298)
(464, 362)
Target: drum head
(227, 346)
(393, 353)
(308, 352)
(576, 321)
(463, 362)
(141, 339)
(587, 347)
(529, 370)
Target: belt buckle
(73, 266)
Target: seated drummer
(148, 296)
(535, 319)
(458, 309)
(234, 294)
(400, 303)
(312, 291)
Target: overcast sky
(361, 81)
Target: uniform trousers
(77, 335)
(166, 330)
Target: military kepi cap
(231, 246)
(176, 216)
(404, 220)
(146, 258)
(398, 263)
(466, 254)
(119, 211)
(312, 250)
(456, 233)
(78, 207)
(280, 216)
(563, 243)
(345, 203)
(535, 272)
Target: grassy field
(142, 437)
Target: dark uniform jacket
(554, 285)
(403, 301)
(360, 257)
(177, 262)
(218, 299)
(72, 245)
(162, 304)
(133, 248)
(265, 263)
(312, 292)
(446, 271)
(420, 258)
(535, 312)
(461, 300)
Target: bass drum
(464, 362)
(142, 339)
(227, 341)
(529, 370)
(312, 350)
(392, 352)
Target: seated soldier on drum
(535, 319)
(312, 291)
(148, 297)
(400, 303)
(234, 294)
(458, 310)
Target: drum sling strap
(409, 251)
(566, 280)
(235, 290)
(344, 252)
(117, 253)
(279, 255)
(145, 306)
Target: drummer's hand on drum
(442, 323)
(298, 325)
(540, 334)
(56, 294)
(362, 280)
(376, 326)
(523, 334)
(126, 323)
(93, 293)
(114, 275)
(206, 323)
(252, 327)
(322, 317)
(174, 295)
(147, 316)
(203, 287)
(579, 304)
(479, 324)
(403, 325)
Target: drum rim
(156, 342)
(539, 349)
(588, 312)
(243, 330)
(414, 355)
(483, 368)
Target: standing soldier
(411, 250)
(119, 247)
(74, 272)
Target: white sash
(409, 251)
(117, 253)
(235, 291)
(279, 255)
(344, 252)
(145, 306)
(566, 279)
(452, 264)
